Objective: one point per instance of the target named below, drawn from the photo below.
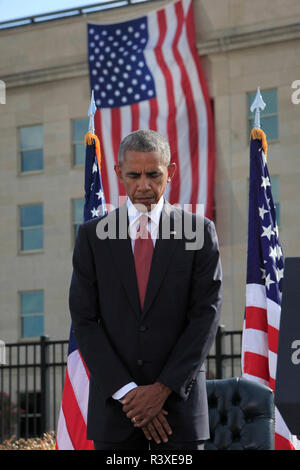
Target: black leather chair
(241, 415)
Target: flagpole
(257, 105)
(91, 114)
(256, 131)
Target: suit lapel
(164, 248)
(122, 255)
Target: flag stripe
(151, 53)
(79, 380)
(192, 115)
(115, 139)
(73, 417)
(144, 114)
(153, 114)
(256, 365)
(135, 114)
(206, 125)
(171, 124)
(126, 117)
(283, 443)
(283, 436)
(256, 318)
(255, 341)
(256, 295)
(179, 113)
(273, 335)
(107, 135)
(63, 441)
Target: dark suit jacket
(168, 341)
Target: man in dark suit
(145, 300)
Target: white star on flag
(262, 212)
(265, 182)
(273, 253)
(94, 168)
(279, 251)
(263, 273)
(267, 232)
(269, 281)
(100, 194)
(279, 274)
(95, 212)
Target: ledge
(48, 74)
(229, 41)
(226, 41)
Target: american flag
(146, 74)
(71, 428)
(265, 268)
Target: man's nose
(144, 183)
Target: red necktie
(143, 251)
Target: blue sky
(13, 9)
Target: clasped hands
(144, 407)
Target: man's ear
(171, 170)
(118, 171)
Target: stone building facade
(44, 67)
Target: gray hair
(145, 141)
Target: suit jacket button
(143, 328)
(140, 362)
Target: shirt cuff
(122, 391)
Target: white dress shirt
(153, 224)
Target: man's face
(144, 176)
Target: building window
(275, 194)
(78, 206)
(80, 128)
(31, 148)
(268, 116)
(32, 314)
(31, 227)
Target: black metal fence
(32, 380)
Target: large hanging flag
(265, 267)
(146, 74)
(71, 429)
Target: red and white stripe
(71, 429)
(259, 351)
(181, 112)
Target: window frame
(20, 150)
(21, 315)
(20, 229)
(75, 142)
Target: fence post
(44, 384)
(219, 351)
